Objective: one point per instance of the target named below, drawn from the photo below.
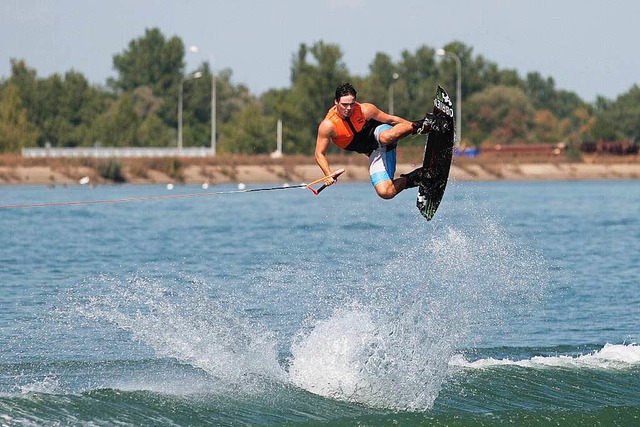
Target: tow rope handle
(333, 175)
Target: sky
(588, 47)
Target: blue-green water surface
(517, 305)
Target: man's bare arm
(372, 112)
(325, 132)
(401, 127)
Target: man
(363, 128)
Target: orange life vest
(346, 130)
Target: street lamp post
(395, 77)
(196, 49)
(196, 75)
(456, 58)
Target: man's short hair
(344, 90)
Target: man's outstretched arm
(322, 145)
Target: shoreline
(252, 170)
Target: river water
(518, 304)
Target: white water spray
(394, 350)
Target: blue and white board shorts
(382, 162)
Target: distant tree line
(138, 107)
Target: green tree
(499, 114)
(541, 91)
(313, 85)
(53, 116)
(151, 130)
(139, 108)
(118, 127)
(25, 79)
(375, 87)
(579, 126)
(155, 62)
(277, 106)
(131, 120)
(61, 108)
(231, 99)
(68, 106)
(478, 73)
(152, 61)
(419, 76)
(543, 95)
(250, 132)
(619, 119)
(15, 130)
(547, 127)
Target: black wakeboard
(438, 152)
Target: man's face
(345, 105)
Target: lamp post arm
(213, 114)
(456, 58)
(459, 97)
(180, 114)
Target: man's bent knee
(388, 136)
(392, 134)
(386, 190)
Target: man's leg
(415, 177)
(389, 189)
(382, 168)
(391, 134)
(382, 162)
